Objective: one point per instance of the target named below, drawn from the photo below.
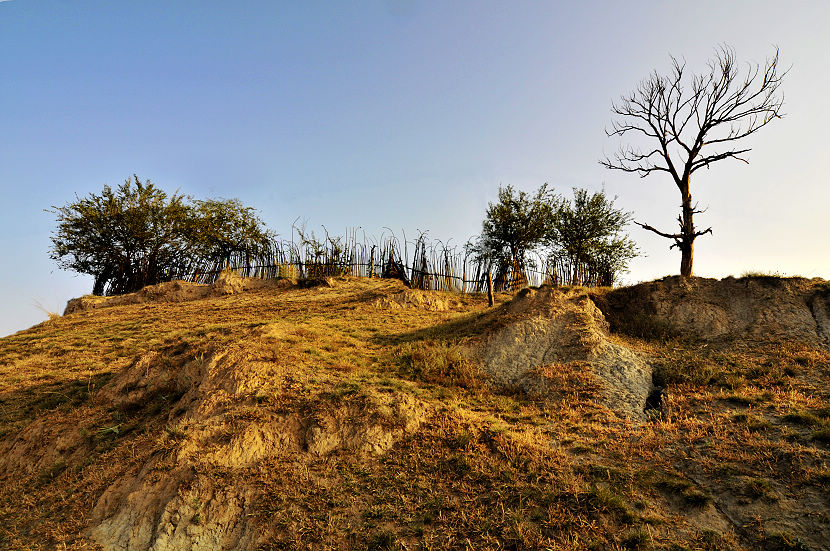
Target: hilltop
(355, 413)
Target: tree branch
(675, 236)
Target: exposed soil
(228, 283)
(414, 299)
(149, 511)
(546, 330)
(754, 308)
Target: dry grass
(740, 445)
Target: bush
(582, 239)
(512, 227)
(587, 235)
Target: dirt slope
(546, 330)
(358, 414)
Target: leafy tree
(691, 122)
(588, 235)
(219, 228)
(515, 225)
(584, 235)
(137, 235)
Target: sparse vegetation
(802, 418)
(761, 275)
(440, 363)
(784, 541)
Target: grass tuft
(440, 363)
(638, 538)
(784, 541)
(802, 418)
(822, 435)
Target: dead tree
(692, 122)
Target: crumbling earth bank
(759, 308)
(228, 283)
(551, 330)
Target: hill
(359, 414)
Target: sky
(400, 114)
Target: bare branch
(676, 236)
(709, 159)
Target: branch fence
(420, 263)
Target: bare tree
(692, 122)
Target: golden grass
(740, 435)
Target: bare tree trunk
(687, 230)
(100, 284)
(687, 251)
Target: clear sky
(404, 114)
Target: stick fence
(431, 266)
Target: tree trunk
(687, 230)
(100, 284)
(687, 251)
(518, 279)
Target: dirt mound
(228, 283)
(761, 308)
(548, 330)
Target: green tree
(221, 227)
(137, 235)
(583, 238)
(588, 236)
(513, 226)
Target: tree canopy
(584, 238)
(587, 235)
(513, 226)
(137, 235)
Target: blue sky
(402, 114)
